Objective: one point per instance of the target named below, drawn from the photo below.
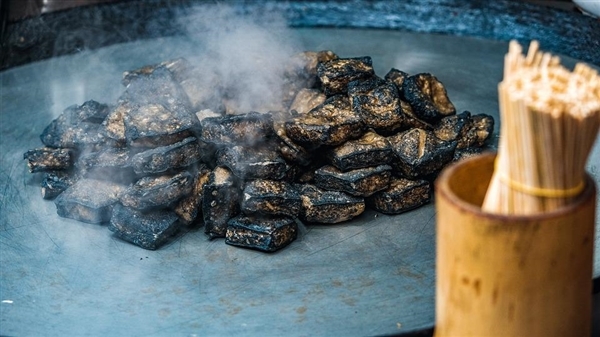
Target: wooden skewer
(550, 120)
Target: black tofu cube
(266, 234)
(148, 230)
(378, 103)
(402, 195)
(428, 97)
(331, 123)
(369, 150)
(158, 87)
(54, 183)
(397, 77)
(88, 200)
(323, 206)
(243, 129)
(360, 182)
(258, 162)
(189, 207)
(220, 201)
(336, 74)
(170, 157)
(270, 197)
(153, 125)
(306, 100)
(454, 128)
(419, 153)
(109, 163)
(48, 159)
(161, 191)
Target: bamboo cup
(500, 275)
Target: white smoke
(241, 58)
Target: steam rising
(242, 58)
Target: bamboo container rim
(443, 188)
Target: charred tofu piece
(148, 230)
(90, 112)
(153, 125)
(158, 87)
(328, 207)
(454, 128)
(266, 234)
(189, 207)
(110, 163)
(369, 150)
(397, 77)
(158, 191)
(48, 159)
(247, 129)
(54, 183)
(270, 197)
(171, 157)
(68, 133)
(88, 200)
(378, 103)
(403, 195)
(467, 130)
(336, 74)
(113, 125)
(419, 153)
(290, 150)
(258, 162)
(220, 201)
(331, 123)
(360, 182)
(482, 126)
(428, 97)
(306, 100)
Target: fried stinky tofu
(256, 162)
(48, 159)
(249, 129)
(155, 125)
(419, 153)
(336, 74)
(170, 157)
(88, 200)
(160, 191)
(331, 123)
(428, 97)
(190, 206)
(403, 195)
(270, 197)
(148, 230)
(220, 201)
(378, 103)
(360, 182)
(369, 150)
(306, 100)
(323, 206)
(54, 183)
(263, 233)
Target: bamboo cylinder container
(505, 275)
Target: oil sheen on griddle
(167, 154)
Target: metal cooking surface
(370, 276)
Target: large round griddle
(371, 276)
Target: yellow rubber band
(543, 192)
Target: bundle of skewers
(550, 119)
